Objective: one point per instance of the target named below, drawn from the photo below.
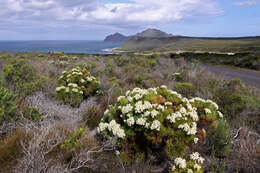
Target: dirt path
(248, 77)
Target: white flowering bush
(76, 85)
(192, 165)
(144, 118)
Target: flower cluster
(155, 116)
(76, 85)
(193, 165)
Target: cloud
(247, 3)
(133, 12)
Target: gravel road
(247, 76)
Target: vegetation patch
(76, 85)
(157, 118)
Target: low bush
(7, 106)
(11, 149)
(76, 85)
(158, 118)
(21, 77)
(220, 139)
(31, 113)
(184, 88)
(93, 116)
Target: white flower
(117, 152)
(102, 127)
(189, 171)
(106, 112)
(168, 103)
(181, 163)
(173, 168)
(116, 129)
(196, 140)
(126, 109)
(207, 111)
(155, 125)
(163, 87)
(196, 166)
(154, 113)
(220, 114)
(129, 98)
(147, 113)
(141, 121)
(60, 88)
(130, 121)
(213, 103)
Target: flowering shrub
(146, 118)
(193, 165)
(76, 85)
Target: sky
(95, 19)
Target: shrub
(184, 88)
(11, 149)
(220, 139)
(157, 118)
(93, 117)
(21, 77)
(7, 105)
(76, 85)
(73, 141)
(31, 113)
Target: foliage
(76, 85)
(185, 88)
(21, 77)
(220, 139)
(157, 118)
(92, 117)
(7, 105)
(31, 113)
(11, 149)
(191, 165)
(177, 76)
(73, 141)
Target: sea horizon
(66, 46)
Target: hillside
(181, 43)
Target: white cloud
(247, 3)
(92, 11)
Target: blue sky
(94, 19)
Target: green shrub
(76, 85)
(73, 141)
(7, 106)
(157, 118)
(184, 88)
(220, 139)
(31, 113)
(21, 77)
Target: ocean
(79, 46)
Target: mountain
(117, 37)
(153, 33)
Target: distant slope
(182, 43)
(117, 37)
